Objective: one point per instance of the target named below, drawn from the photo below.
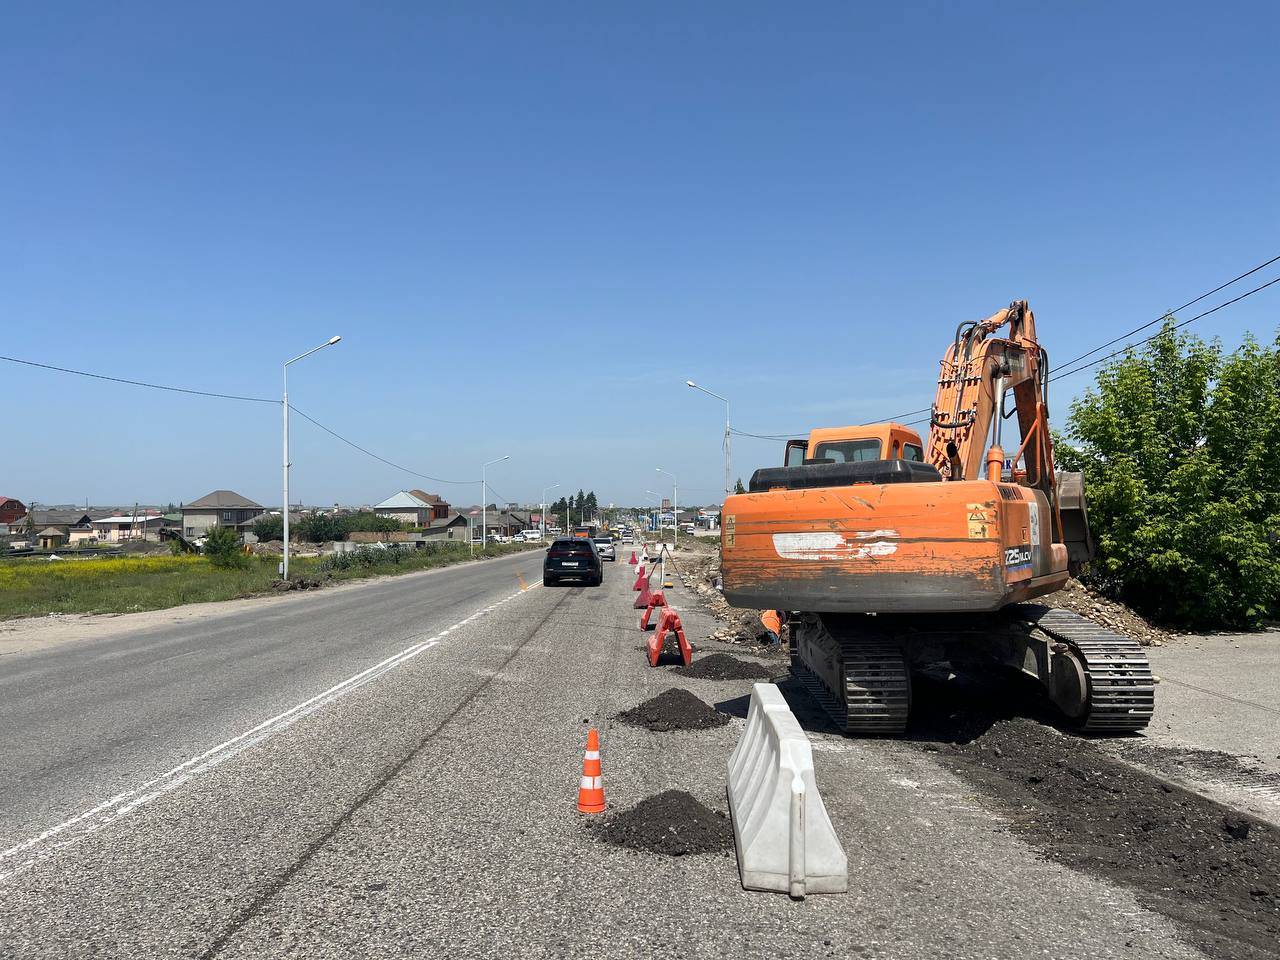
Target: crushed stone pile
(1078, 598)
(673, 823)
(673, 709)
(721, 666)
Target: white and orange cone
(591, 789)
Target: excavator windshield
(848, 451)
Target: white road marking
(110, 811)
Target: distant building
(130, 527)
(414, 507)
(51, 538)
(452, 527)
(222, 508)
(11, 510)
(74, 525)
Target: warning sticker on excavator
(982, 518)
(728, 530)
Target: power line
(1149, 323)
(1067, 371)
(1179, 324)
(761, 436)
(370, 453)
(139, 383)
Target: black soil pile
(673, 709)
(1203, 865)
(721, 666)
(672, 823)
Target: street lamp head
(333, 340)
(692, 384)
(507, 457)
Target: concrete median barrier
(784, 838)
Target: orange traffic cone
(632, 561)
(591, 790)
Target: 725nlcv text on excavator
(893, 553)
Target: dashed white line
(30, 851)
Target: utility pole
(284, 409)
(728, 483)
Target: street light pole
(544, 510)
(657, 500)
(284, 407)
(484, 502)
(728, 472)
(675, 508)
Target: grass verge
(36, 588)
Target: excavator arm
(979, 372)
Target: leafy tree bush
(369, 522)
(222, 547)
(269, 528)
(319, 528)
(1180, 446)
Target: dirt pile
(1211, 869)
(673, 823)
(1076, 597)
(673, 709)
(721, 666)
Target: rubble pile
(1078, 598)
(674, 823)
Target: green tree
(222, 547)
(738, 487)
(590, 505)
(320, 528)
(1179, 446)
(366, 521)
(269, 527)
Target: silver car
(604, 546)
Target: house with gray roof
(414, 507)
(222, 508)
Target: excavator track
(862, 681)
(1122, 688)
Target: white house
(129, 527)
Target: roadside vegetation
(32, 588)
(1179, 443)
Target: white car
(627, 538)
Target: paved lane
(430, 813)
(87, 720)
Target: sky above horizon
(531, 224)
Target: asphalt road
(239, 788)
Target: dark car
(572, 558)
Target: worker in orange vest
(773, 621)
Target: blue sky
(531, 223)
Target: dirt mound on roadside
(1212, 869)
(1078, 598)
(673, 823)
(721, 666)
(673, 709)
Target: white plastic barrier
(785, 840)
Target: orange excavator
(894, 553)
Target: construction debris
(673, 709)
(1211, 869)
(673, 823)
(721, 666)
(1075, 596)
